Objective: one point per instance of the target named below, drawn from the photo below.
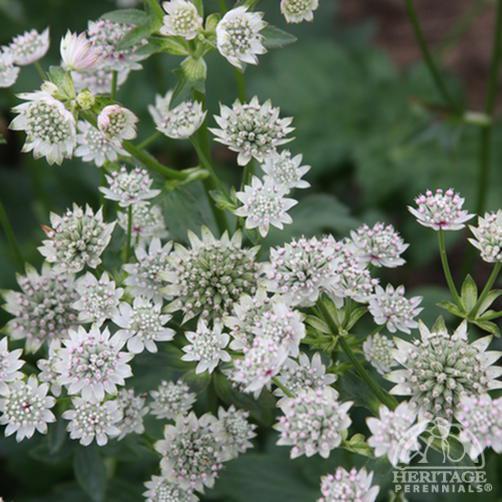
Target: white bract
(8, 72)
(234, 430)
(48, 368)
(117, 122)
(10, 363)
(77, 52)
(182, 20)
(296, 11)
(171, 399)
(285, 169)
(159, 489)
(348, 486)
(133, 410)
(488, 236)
(29, 47)
(378, 351)
(263, 204)
(147, 223)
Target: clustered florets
(488, 236)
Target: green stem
(11, 238)
(127, 251)
(485, 154)
(40, 70)
(284, 389)
(380, 393)
(446, 269)
(488, 286)
(113, 93)
(148, 141)
(241, 85)
(426, 54)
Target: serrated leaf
(275, 38)
(469, 293)
(90, 472)
(135, 17)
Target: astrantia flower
(129, 187)
(348, 486)
(210, 276)
(117, 122)
(43, 308)
(391, 308)
(159, 489)
(440, 210)
(440, 368)
(378, 351)
(171, 399)
(50, 128)
(142, 324)
(77, 239)
(182, 19)
(395, 433)
(239, 38)
(144, 277)
(93, 421)
(313, 422)
(94, 146)
(192, 454)
(379, 245)
(77, 52)
(234, 430)
(147, 222)
(48, 368)
(302, 269)
(26, 407)
(264, 204)
(29, 47)
(8, 72)
(133, 409)
(303, 374)
(206, 346)
(252, 129)
(286, 170)
(98, 80)
(488, 236)
(480, 419)
(179, 122)
(10, 363)
(92, 363)
(296, 11)
(98, 299)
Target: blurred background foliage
(375, 136)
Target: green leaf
(451, 308)
(275, 38)
(469, 293)
(194, 69)
(90, 472)
(357, 444)
(62, 80)
(488, 301)
(317, 324)
(354, 317)
(172, 45)
(137, 34)
(135, 17)
(56, 436)
(488, 326)
(439, 325)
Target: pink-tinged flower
(8, 72)
(117, 122)
(440, 210)
(29, 47)
(348, 485)
(77, 52)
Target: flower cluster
(348, 485)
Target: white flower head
(147, 222)
(78, 53)
(379, 245)
(239, 38)
(142, 324)
(48, 368)
(182, 20)
(25, 408)
(133, 409)
(313, 422)
(43, 309)
(10, 364)
(93, 421)
(129, 187)
(171, 399)
(253, 130)
(206, 346)
(207, 278)
(488, 236)
(348, 486)
(29, 47)
(159, 489)
(296, 11)
(480, 419)
(94, 146)
(379, 352)
(192, 454)
(440, 210)
(439, 368)
(303, 374)
(234, 430)
(77, 239)
(98, 299)
(264, 204)
(285, 169)
(144, 277)
(395, 433)
(302, 269)
(98, 80)
(179, 122)
(50, 128)
(391, 308)
(8, 72)
(92, 364)
(117, 122)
